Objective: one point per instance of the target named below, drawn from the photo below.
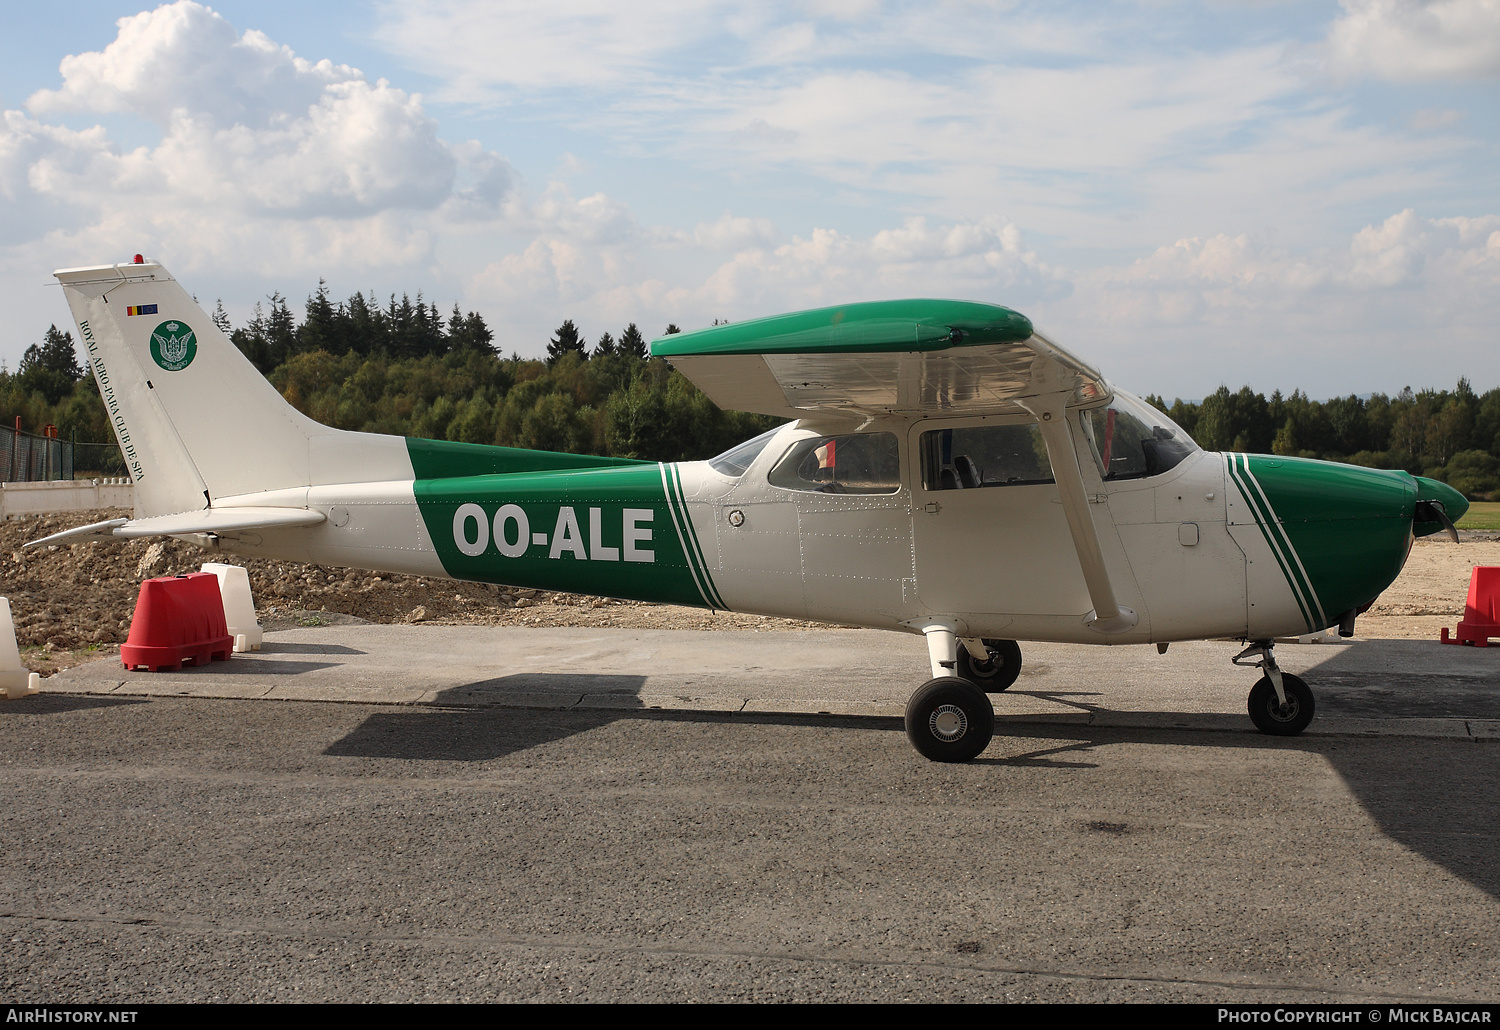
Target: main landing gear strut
(1280, 704)
(950, 717)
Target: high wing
(909, 359)
(896, 357)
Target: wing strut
(1051, 411)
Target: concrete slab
(1484, 729)
(220, 688)
(1406, 687)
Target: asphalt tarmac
(384, 813)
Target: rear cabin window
(859, 463)
(982, 456)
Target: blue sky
(1292, 195)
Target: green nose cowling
(1454, 504)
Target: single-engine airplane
(950, 472)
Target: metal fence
(98, 459)
(27, 458)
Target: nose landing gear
(1280, 704)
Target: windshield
(1132, 440)
(740, 457)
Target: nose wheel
(1280, 704)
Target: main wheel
(949, 719)
(996, 674)
(1271, 716)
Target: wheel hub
(1283, 712)
(948, 722)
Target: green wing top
(903, 357)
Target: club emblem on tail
(173, 346)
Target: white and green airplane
(950, 473)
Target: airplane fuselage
(1222, 545)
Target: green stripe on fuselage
(673, 475)
(447, 459)
(604, 531)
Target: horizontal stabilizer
(208, 520)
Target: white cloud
(1430, 119)
(480, 48)
(184, 57)
(1412, 40)
(298, 165)
(729, 232)
(1404, 251)
(1410, 299)
(605, 285)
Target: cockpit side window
(857, 463)
(982, 456)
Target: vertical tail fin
(195, 419)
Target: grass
(1481, 515)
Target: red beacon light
(140, 260)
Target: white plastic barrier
(15, 680)
(239, 606)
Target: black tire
(950, 719)
(995, 675)
(1268, 714)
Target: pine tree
(317, 330)
(251, 340)
(605, 348)
(365, 325)
(568, 340)
(52, 368)
(281, 330)
(468, 333)
(632, 343)
(221, 318)
(427, 328)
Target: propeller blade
(1432, 511)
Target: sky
(1285, 195)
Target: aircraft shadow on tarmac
(1435, 797)
(55, 704)
(1346, 683)
(262, 667)
(306, 647)
(478, 732)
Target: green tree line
(405, 368)
(1451, 435)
